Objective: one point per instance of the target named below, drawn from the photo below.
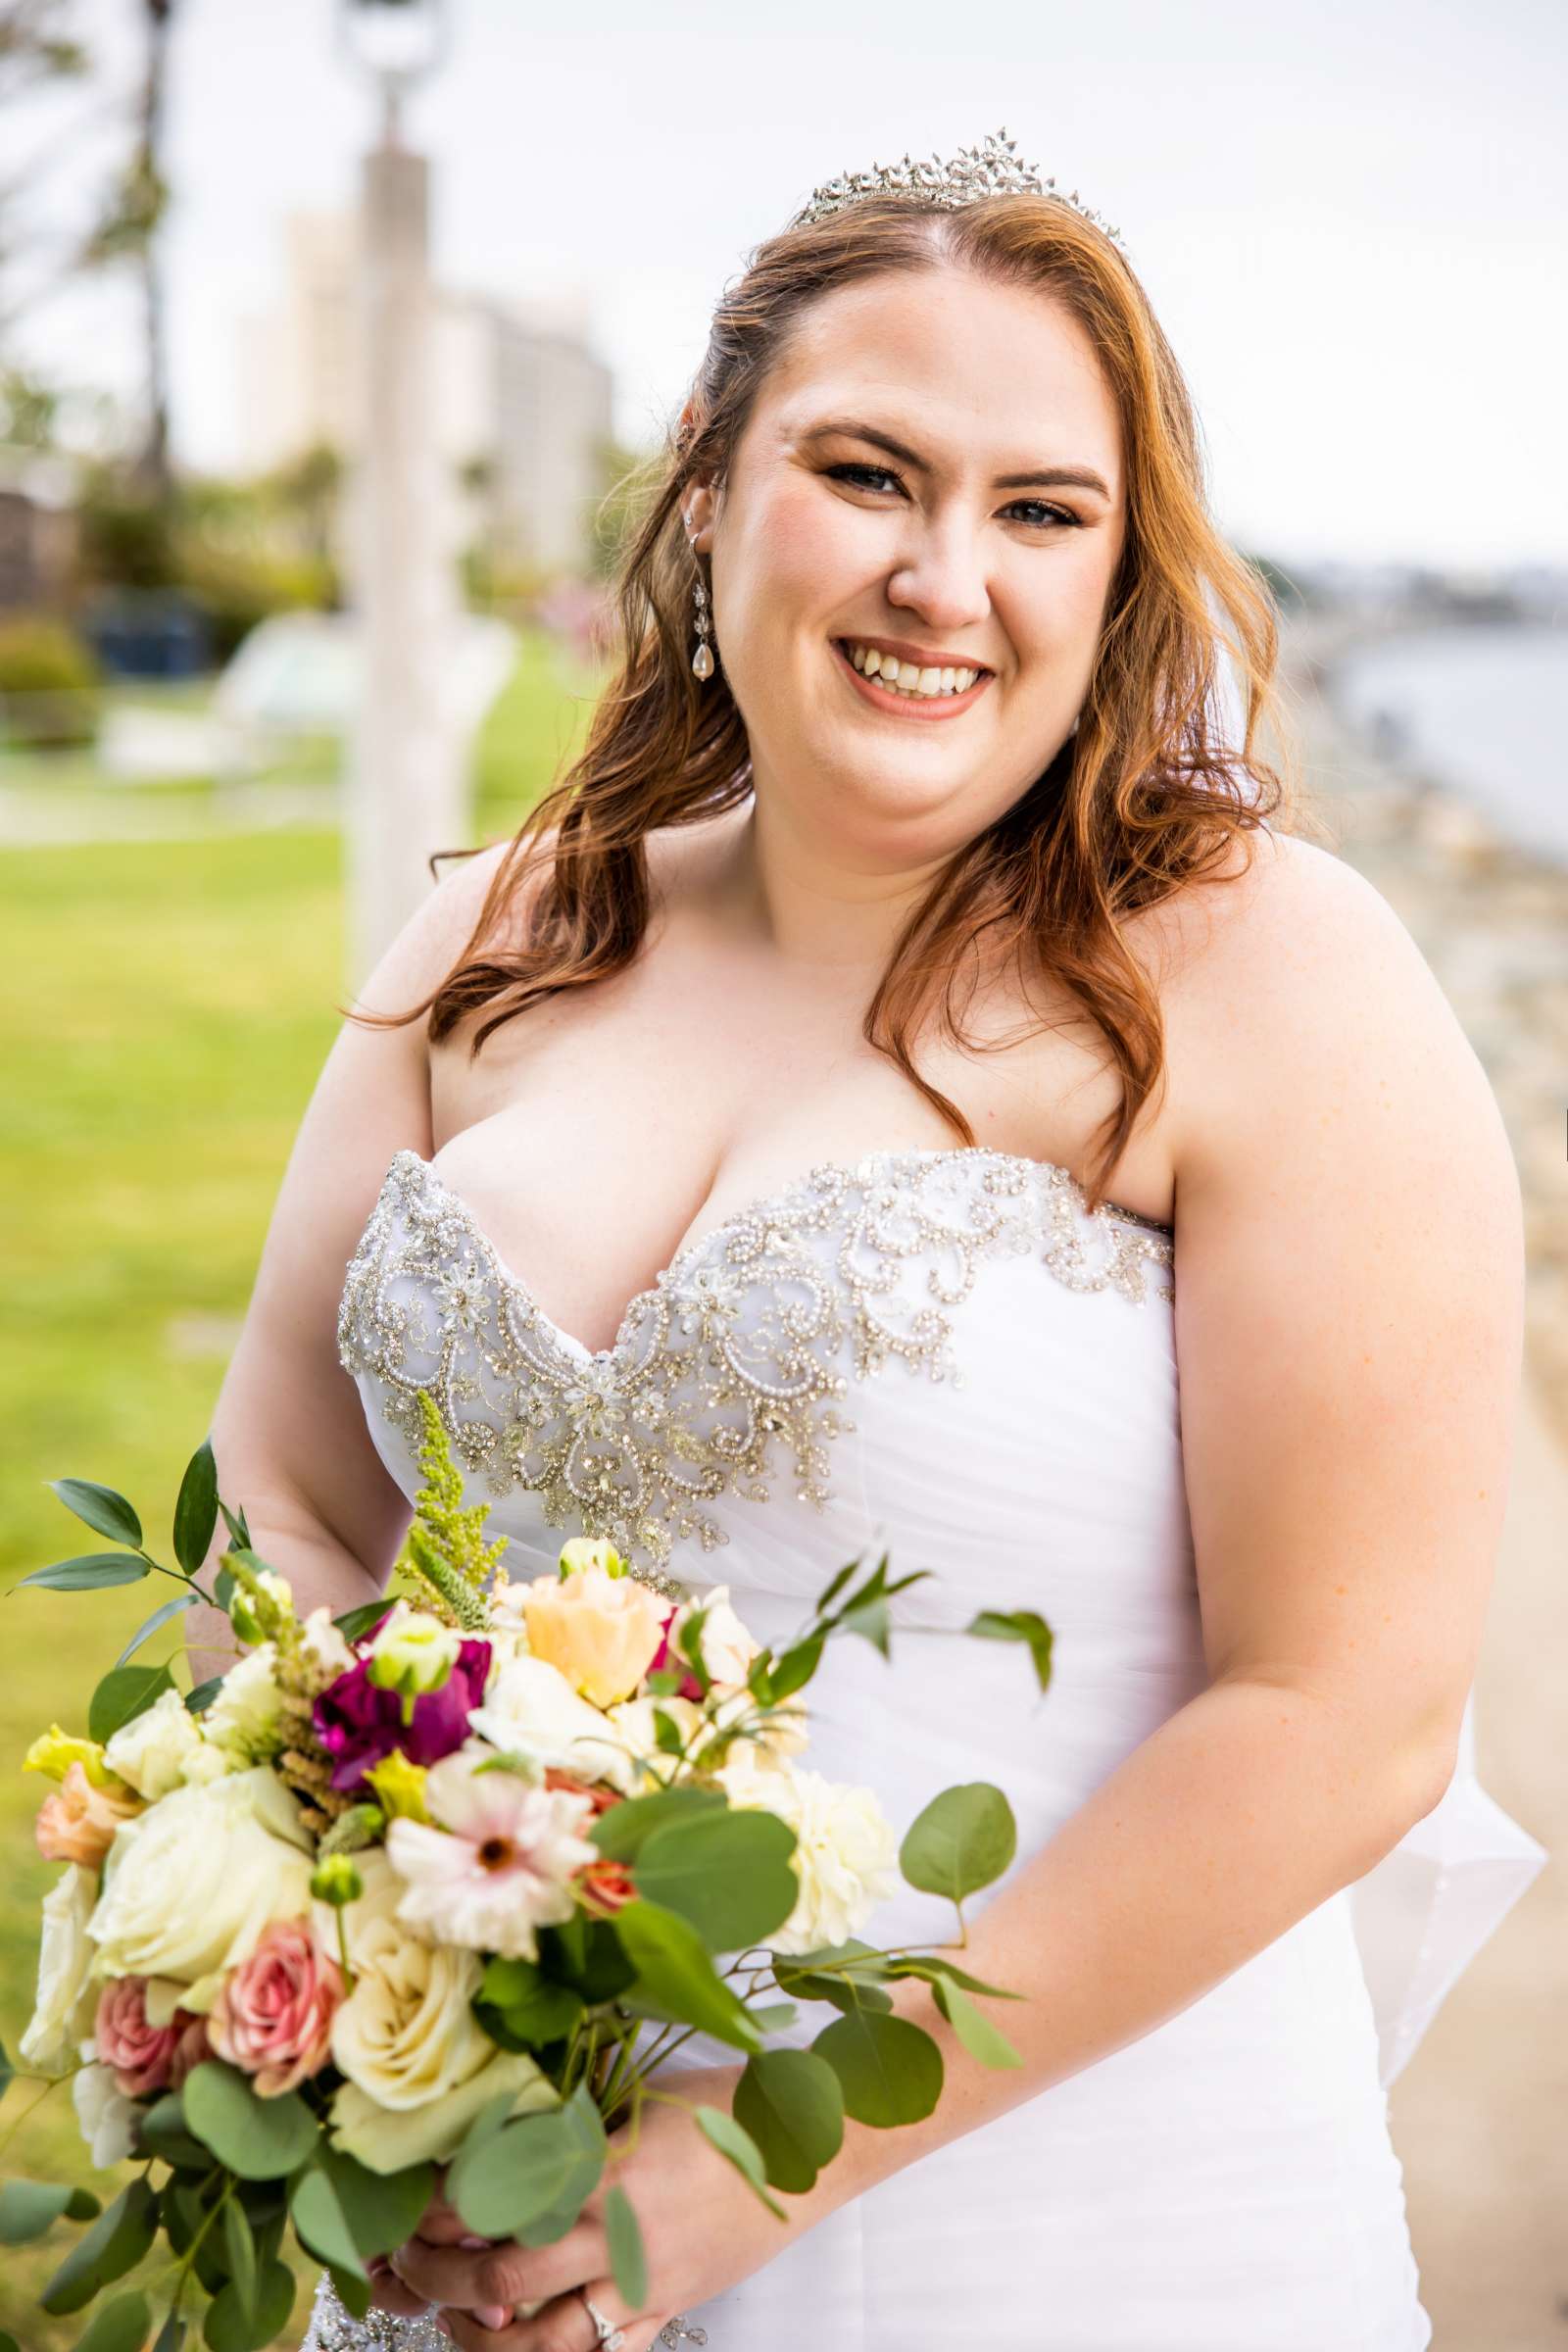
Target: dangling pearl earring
(703, 658)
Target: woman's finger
(562, 2325)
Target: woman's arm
(1349, 1327)
(289, 1431)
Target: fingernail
(491, 2315)
(379, 2265)
(471, 2245)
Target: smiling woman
(640, 1189)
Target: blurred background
(330, 336)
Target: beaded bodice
(740, 1355)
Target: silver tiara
(993, 170)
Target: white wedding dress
(939, 1354)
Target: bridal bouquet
(444, 1882)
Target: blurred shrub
(49, 682)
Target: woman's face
(826, 538)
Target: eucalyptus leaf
(795, 1669)
(1018, 1625)
(196, 1510)
(890, 2071)
(347, 2214)
(171, 2334)
(124, 1692)
(160, 1617)
(259, 2138)
(88, 1571)
(201, 1697)
(230, 2327)
(351, 2291)
(964, 1839)
(531, 2171)
(8, 2073)
(733, 2140)
(28, 2208)
(792, 2106)
(628, 2262)
(240, 2249)
(979, 2037)
(115, 2244)
(674, 1969)
(728, 1872)
(120, 2327)
(107, 1512)
(620, 1831)
(935, 1964)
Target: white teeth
(907, 677)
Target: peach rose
(140, 2056)
(274, 2016)
(602, 1629)
(78, 1823)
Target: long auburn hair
(1145, 794)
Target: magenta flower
(358, 1723)
(664, 1656)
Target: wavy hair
(1145, 794)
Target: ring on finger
(609, 2336)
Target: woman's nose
(943, 577)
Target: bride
(908, 970)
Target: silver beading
(974, 173)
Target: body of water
(1482, 708)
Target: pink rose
(78, 1823)
(189, 2052)
(274, 2016)
(140, 2056)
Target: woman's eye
(1048, 515)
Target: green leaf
(114, 2245)
(933, 1964)
(101, 1507)
(196, 1511)
(673, 1970)
(964, 1839)
(629, 2263)
(240, 2247)
(351, 2291)
(668, 1737)
(791, 2104)
(355, 1624)
(888, 2069)
(28, 2208)
(261, 2139)
(795, 1669)
(9, 2343)
(530, 2008)
(236, 1527)
(8, 2073)
(690, 1643)
(620, 1831)
(831, 1590)
(346, 2214)
(807, 1976)
(733, 2140)
(171, 2334)
(161, 2131)
(872, 1619)
(979, 2037)
(1018, 1625)
(124, 1692)
(727, 1872)
(521, 2180)
(201, 1697)
(120, 2327)
(158, 1617)
(230, 2327)
(89, 1572)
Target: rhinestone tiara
(990, 170)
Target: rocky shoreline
(1491, 921)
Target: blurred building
(524, 403)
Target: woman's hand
(703, 2230)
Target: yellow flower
(54, 1751)
(600, 1630)
(399, 1787)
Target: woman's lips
(910, 706)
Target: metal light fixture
(396, 43)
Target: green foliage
(259, 2138)
(444, 1549)
(628, 2262)
(49, 682)
(531, 2178)
(964, 1839)
(29, 2208)
(789, 2103)
(727, 1871)
(124, 1692)
(890, 2071)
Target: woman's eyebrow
(1043, 477)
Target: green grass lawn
(173, 1002)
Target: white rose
(151, 1751)
(107, 2116)
(191, 1884)
(845, 1852)
(531, 1710)
(419, 2066)
(325, 1643)
(634, 1724)
(727, 1647)
(245, 1716)
(65, 2003)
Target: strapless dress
(942, 1354)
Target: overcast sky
(1353, 220)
